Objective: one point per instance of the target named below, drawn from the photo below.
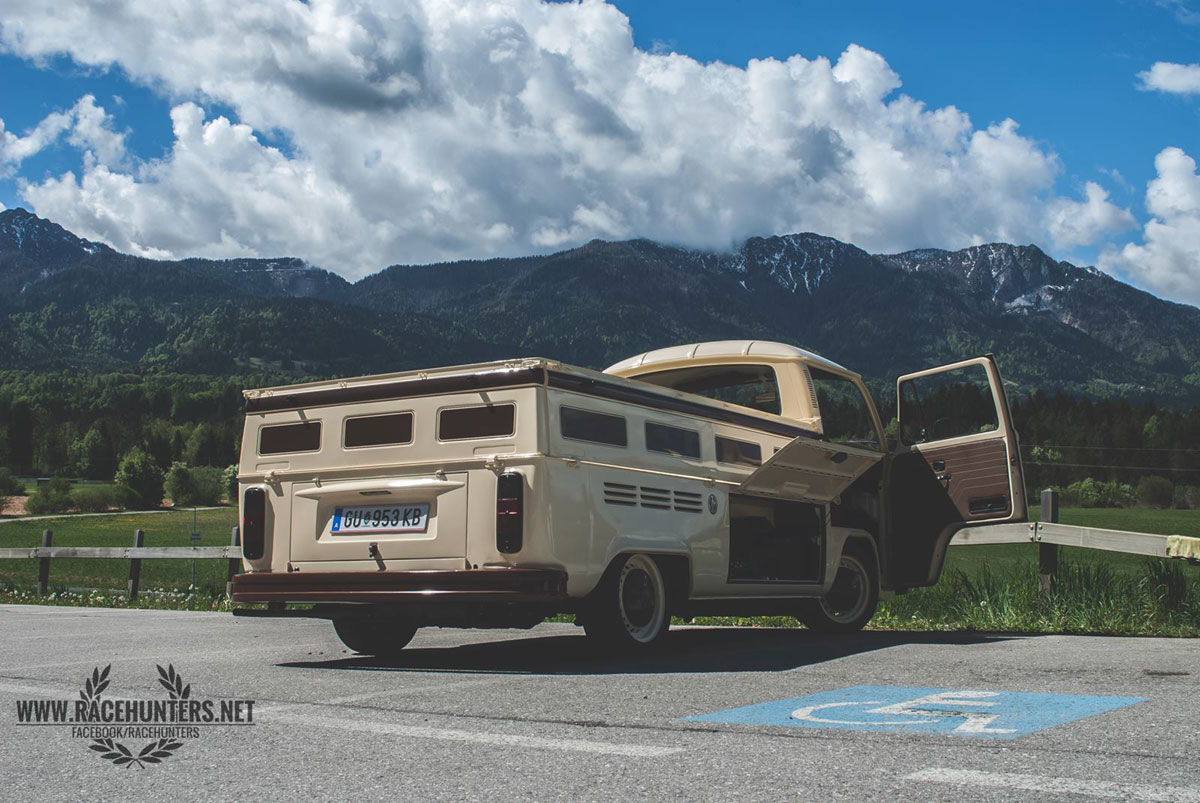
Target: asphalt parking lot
(719, 714)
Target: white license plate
(409, 518)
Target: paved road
(538, 715)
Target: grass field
(991, 588)
(169, 528)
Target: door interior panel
(974, 475)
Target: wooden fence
(135, 554)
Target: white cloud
(15, 149)
(1168, 260)
(438, 129)
(88, 128)
(1074, 223)
(1166, 76)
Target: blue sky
(428, 135)
(1066, 71)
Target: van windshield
(752, 386)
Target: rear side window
(587, 425)
(489, 421)
(672, 440)
(378, 430)
(752, 386)
(304, 437)
(738, 452)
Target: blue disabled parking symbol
(954, 712)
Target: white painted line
(208, 656)
(472, 737)
(1058, 786)
(392, 692)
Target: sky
(358, 134)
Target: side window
(378, 430)
(739, 453)
(588, 425)
(752, 386)
(672, 440)
(845, 412)
(489, 421)
(284, 438)
(948, 404)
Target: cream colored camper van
(738, 477)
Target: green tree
(141, 478)
(53, 497)
(179, 485)
(1155, 491)
(231, 483)
(206, 446)
(91, 456)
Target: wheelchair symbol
(921, 711)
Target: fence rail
(134, 554)
(124, 552)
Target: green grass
(162, 529)
(992, 588)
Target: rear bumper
(396, 587)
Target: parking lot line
(1058, 786)
(475, 737)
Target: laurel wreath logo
(114, 751)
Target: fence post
(44, 563)
(235, 539)
(135, 565)
(1048, 553)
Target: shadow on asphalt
(699, 651)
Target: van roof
(723, 348)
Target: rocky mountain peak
(41, 241)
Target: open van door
(959, 463)
(810, 470)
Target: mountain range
(69, 304)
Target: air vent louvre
(617, 493)
(687, 501)
(658, 498)
(812, 392)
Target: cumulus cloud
(88, 128)
(1166, 76)
(1074, 223)
(1168, 260)
(438, 129)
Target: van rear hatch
(374, 472)
(380, 519)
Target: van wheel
(382, 637)
(629, 607)
(850, 603)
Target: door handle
(944, 478)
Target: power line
(1110, 448)
(1100, 465)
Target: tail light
(254, 523)
(510, 513)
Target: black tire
(851, 602)
(628, 610)
(382, 637)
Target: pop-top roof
(722, 348)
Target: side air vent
(616, 493)
(658, 498)
(687, 501)
(812, 392)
